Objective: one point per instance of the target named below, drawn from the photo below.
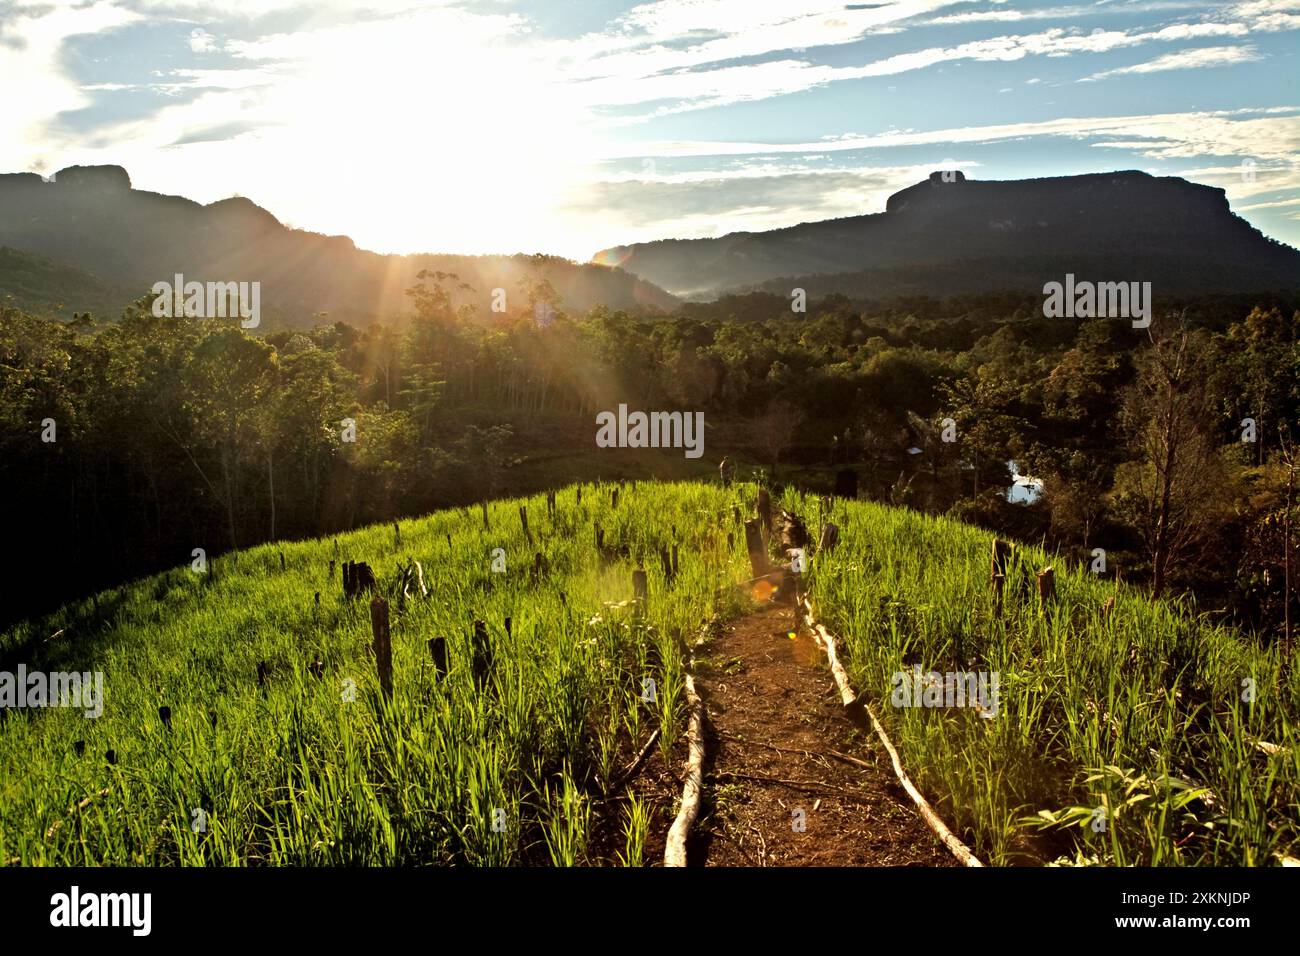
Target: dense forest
(128, 443)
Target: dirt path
(764, 691)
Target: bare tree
(1168, 492)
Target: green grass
(1140, 713)
(293, 773)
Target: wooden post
(674, 561)
(613, 499)
(482, 660)
(1000, 562)
(382, 645)
(668, 565)
(486, 526)
(281, 560)
(754, 545)
(523, 520)
(331, 574)
(165, 715)
(357, 577)
(1046, 586)
(438, 651)
(397, 534)
(640, 587)
(262, 673)
(726, 470)
(579, 494)
(1001, 557)
(830, 536)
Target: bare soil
(774, 793)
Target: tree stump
(482, 662)
(668, 565)
(357, 577)
(764, 511)
(1001, 558)
(523, 520)
(726, 471)
(1047, 586)
(830, 536)
(640, 588)
(438, 651)
(754, 545)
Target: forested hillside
(127, 444)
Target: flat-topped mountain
(89, 218)
(950, 235)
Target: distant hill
(943, 237)
(38, 285)
(91, 219)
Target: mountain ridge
(1026, 232)
(92, 219)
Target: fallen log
(675, 848)
(858, 708)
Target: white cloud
(31, 46)
(1270, 133)
(1194, 59)
(201, 41)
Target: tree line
(1170, 448)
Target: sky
(566, 126)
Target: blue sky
(565, 127)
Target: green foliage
(1192, 772)
(294, 773)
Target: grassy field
(321, 769)
(1145, 736)
(1141, 712)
